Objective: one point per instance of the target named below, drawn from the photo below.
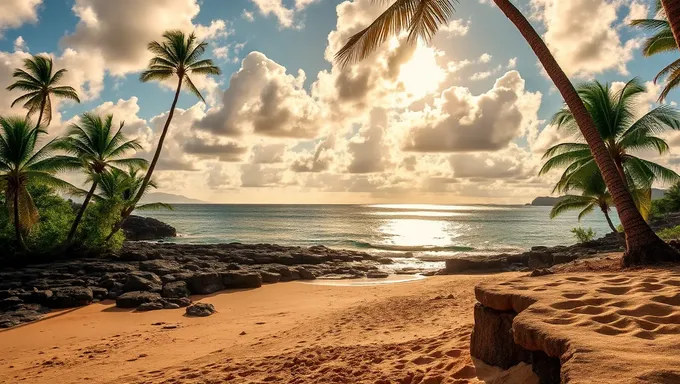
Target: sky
(463, 119)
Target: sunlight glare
(421, 75)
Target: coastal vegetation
(422, 19)
(583, 235)
(37, 220)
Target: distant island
(549, 201)
(169, 198)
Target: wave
(409, 248)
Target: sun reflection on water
(414, 232)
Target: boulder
(176, 289)
(10, 302)
(563, 258)
(270, 277)
(146, 228)
(99, 293)
(22, 313)
(305, 274)
(151, 306)
(135, 299)
(70, 297)
(538, 259)
(238, 279)
(36, 296)
(377, 275)
(205, 283)
(160, 267)
(481, 264)
(142, 281)
(180, 302)
(200, 310)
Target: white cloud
(277, 9)
(456, 27)
(585, 49)
(20, 44)
(14, 13)
(248, 16)
(263, 99)
(638, 10)
(485, 58)
(512, 63)
(120, 30)
(462, 122)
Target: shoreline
(291, 331)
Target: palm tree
(422, 19)
(661, 41)
(593, 195)
(671, 8)
(98, 147)
(122, 186)
(20, 165)
(177, 56)
(623, 133)
(40, 85)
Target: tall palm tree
(623, 133)
(671, 8)
(593, 195)
(20, 165)
(99, 147)
(177, 56)
(662, 41)
(422, 19)
(40, 84)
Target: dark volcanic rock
(205, 283)
(135, 299)
(377, 275)
(477, 264)
(200, 310)
(142, 281)
(176, 289)
(145, 228)
(22, 313)
(181, 302)
(70, 297)
(160, 267)
(239, 279)
(10, 302)
(305, 274)
(270, 277)
(152, 306)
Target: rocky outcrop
(536, 258)
(200, 310)
(138, 228)
(146, 276)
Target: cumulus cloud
(276, 8)
(456, 27)
(119, 30)
(463, 122)
(14, 13)
(263, 99)
(585, 49)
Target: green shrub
(583, 235)
(670, 233)
(96, 225)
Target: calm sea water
(421, 232)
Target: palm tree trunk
(17, 224)
(79, 216)
(643, 245)
(40, 115)
(152, 166)
(672, 10)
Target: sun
(421, 75)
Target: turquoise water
(428, 232)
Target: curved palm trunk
(40, 115)
(152, 166)
(622, 237)
(81, 211)
(643, 245)
(672, 9)
(17, 224)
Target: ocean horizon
(422, 233)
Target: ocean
(415, 235)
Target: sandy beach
(284, 333)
